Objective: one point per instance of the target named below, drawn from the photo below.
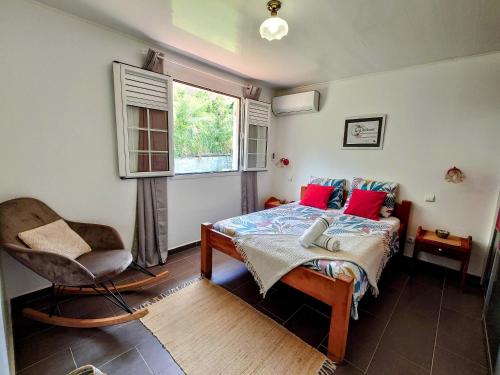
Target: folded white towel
(327, 242)
(315, 230)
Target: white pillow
(57, 238)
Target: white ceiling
(328, 39)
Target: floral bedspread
(295, 219)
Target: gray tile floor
(422, 323)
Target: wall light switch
(290, 178)
(430, 198)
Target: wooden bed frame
(336, 292)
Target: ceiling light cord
(273, 6)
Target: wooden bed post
(402, 212)
(206, 251)
(336, 292)
(339, 323)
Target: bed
(340, 284)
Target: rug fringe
(327, 368)
(250, 268)
(167, 293)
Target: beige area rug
(208, 330)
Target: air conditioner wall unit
(304, 102)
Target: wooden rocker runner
(90, 273)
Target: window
(143, 118)
(147, 139)
(257, 120)
(162, 124)
(206, 129)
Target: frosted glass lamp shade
(274, 28)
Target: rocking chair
(90, 273)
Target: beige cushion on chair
(56, 237)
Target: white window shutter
(143, 89)
(138, 90)
(256, 135)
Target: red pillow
(317, 196)
(365, 203)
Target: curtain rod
(161, 56)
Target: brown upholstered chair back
(18, 215)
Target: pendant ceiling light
(274, 27)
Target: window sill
(194, 176)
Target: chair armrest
(99, 237)
(55, 268)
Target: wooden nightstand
(453, 247)
(274, 202)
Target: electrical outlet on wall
(429, 197)
(410, 239)
(290, 178)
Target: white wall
(6, 339)
(57, 129)
(439, 115)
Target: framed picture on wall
(364, 133)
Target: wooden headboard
(401, 211)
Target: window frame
(246, 135)
(239, 133)
(122, 125)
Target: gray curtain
(150, 240)
(154, 61)
(251, 92)
(249, 196)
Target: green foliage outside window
(203, 122)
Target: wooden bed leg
(206, 251)
(339, 324)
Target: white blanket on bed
(270, 256)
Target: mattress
(294, 218)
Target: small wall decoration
(282, 162)
(364, 133)
(454, 175)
